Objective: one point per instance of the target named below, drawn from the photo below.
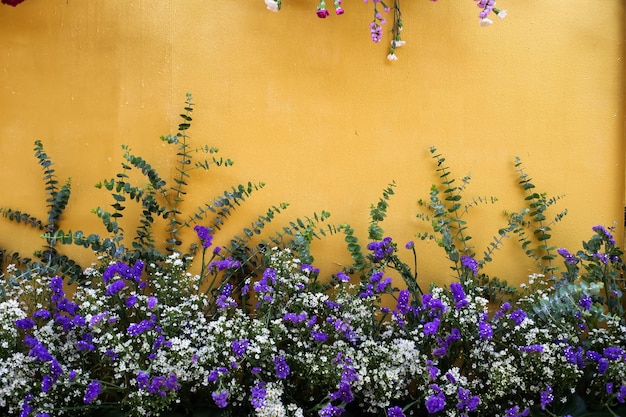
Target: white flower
(272, 5)
(392, 57)
(502, 14)
(486, 22)
(398, 43)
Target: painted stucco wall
(312, 108)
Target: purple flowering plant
(384, 11)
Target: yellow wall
(313, 108)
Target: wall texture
(313, 108)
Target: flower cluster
(289, 345)
(381, 9)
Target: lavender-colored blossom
(381, 249)
(92, 392)
(585, 302)
(152, 302)
(516, 412)
(25, 323)
(546, 397)
(410, 244)
(330, 410)
(458, 295)
(467, 401)
(240, 347)
(469, 263)
(621, 394)
(403, 301)
(130, 302)
(26, 407)
(319, 336)
(46, 383)
(434, 305)
(485, 331)
(223, 264)
(115, 287)
(255, 370)
(55, 369)
(602, 257)
(382, 285)
(135, 329)
(310, 269)
(436, 401)
(40, 352)
(432, 327)
(518, 316)
(204, 234)
(281, 367)
(342, 277)
(454, 336)
(220, 398)
(395, 412)
(343, 393)
(531, 348)
(575, 356)
(602, 231)
(42, 314)
(613, 353)
(609, 388)
(56, 285)
(258, 393)
(569, 258)
(367, 292)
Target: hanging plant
(487, 7)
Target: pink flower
(272, 5)
(12, 2)
(322, 13)
(339, 11)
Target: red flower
(12, 2)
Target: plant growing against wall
(381, 11)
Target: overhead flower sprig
(487, 7)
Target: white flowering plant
(135, 343)
(382, 10)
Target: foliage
(379, 18)
(156, 343)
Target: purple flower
(531, 348)
(330, 410)
(518, 316)
(26, 407)
(135, 329)
(466, 400)
(436, 401)
(343, 393)
(395, 412)
(115, 287)
(42, 314)
(240, 347)
(381, 249)
(131, 301)
(431, 328)
(281, 367)
(25, 323)
(342, 277)
(484, 330)
(409, 245)
(220, 398)
(382, 285)
(546, 397)
(458, 295)
(604, 233)
(403, 302)
(613, 353)
(319, 336)
(227, 263)
(258, 392)
(621, 394)
(309, 269)
(46, 383)
(92, 391)
(602, 257)
(469, 263)
(204, 233)
(515, 412)
(569, 258)
(585, 302)
(152, 302)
